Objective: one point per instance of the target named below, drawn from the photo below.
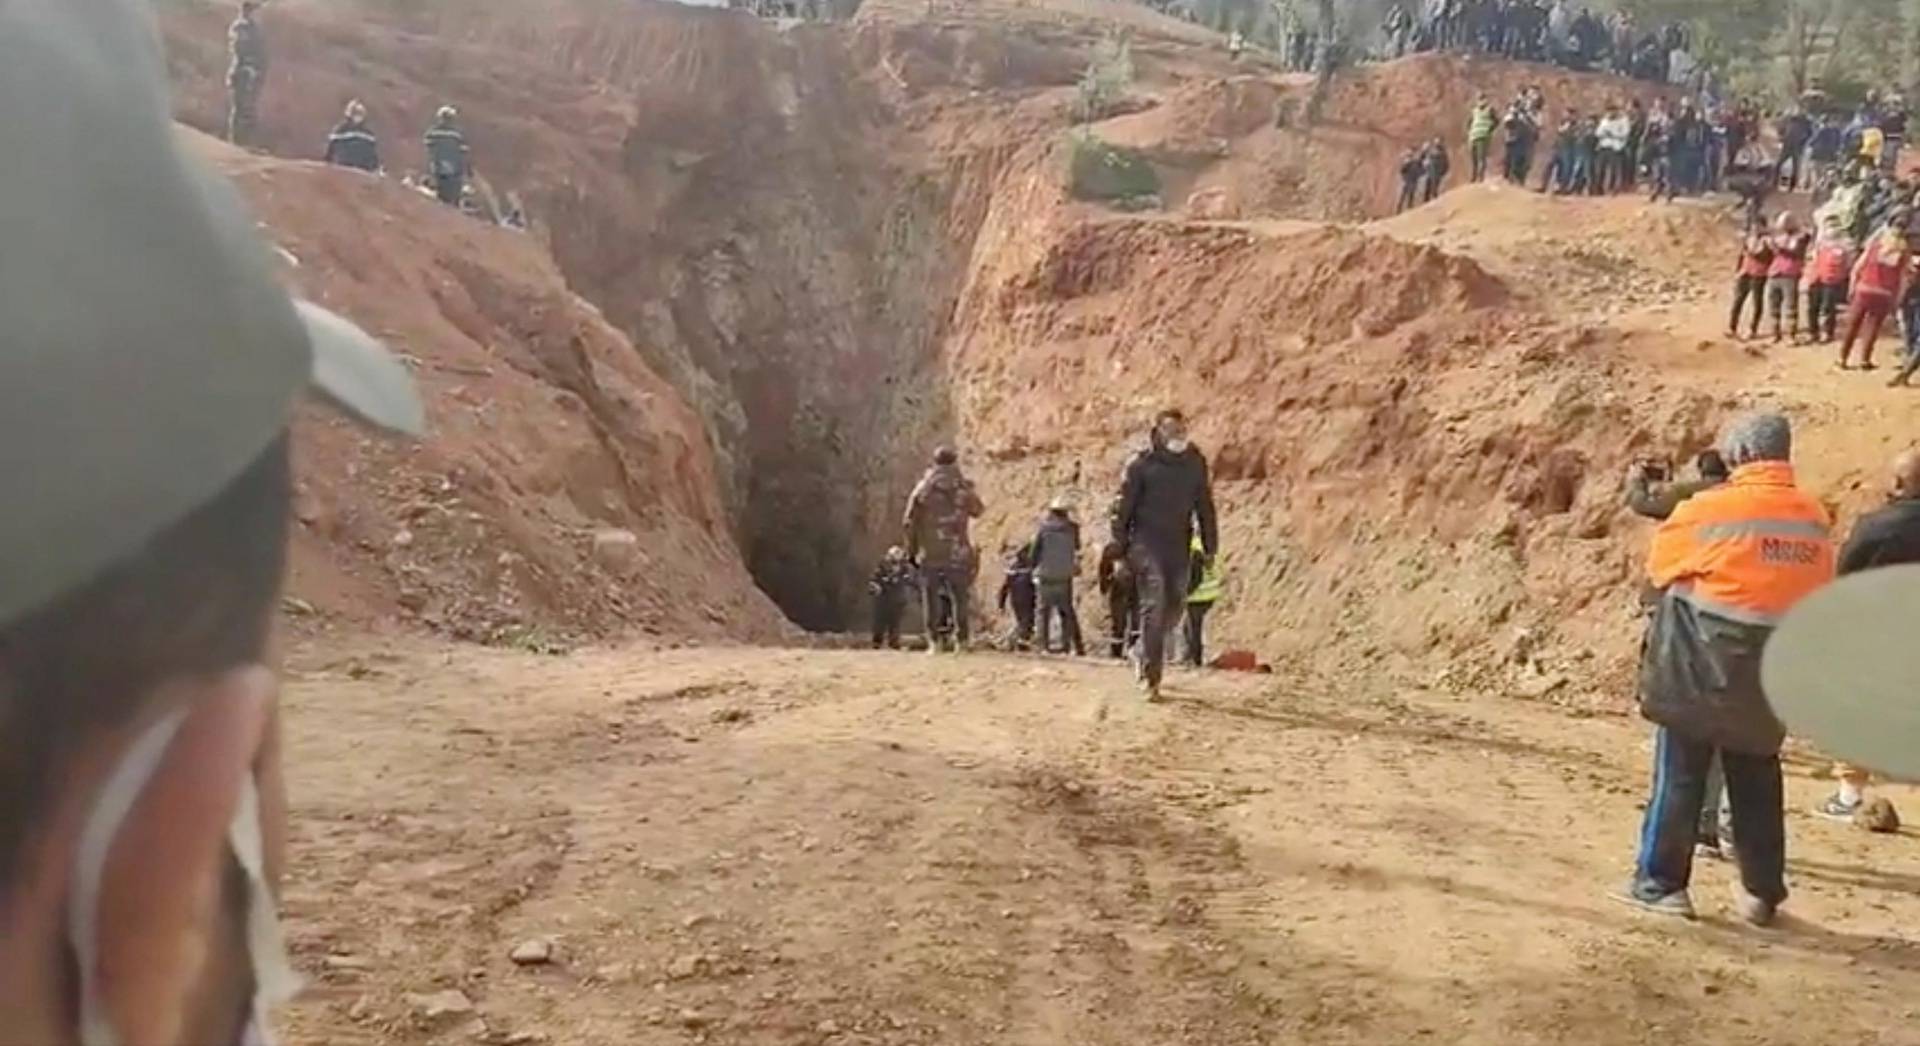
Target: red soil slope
(547, 428)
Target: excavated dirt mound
(547, 429)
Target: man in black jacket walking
(1165, 492)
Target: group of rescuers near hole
(1736, 547)
(1158, 570)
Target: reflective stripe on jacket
(1747, 550)
(1205, 580)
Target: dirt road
(772, 846)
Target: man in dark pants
(1019, 594)
(448, 162)
(246, 73)
(1165, 492)
(1115, 581)
(1056, 562)
(892, 580)
(940, 515)
(1730, 562)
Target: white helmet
(447, 114)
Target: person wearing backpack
(1056, 562)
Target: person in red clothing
(1750, 280)
(1791, 244)
(1877, 278)
(1827, 275)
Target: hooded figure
(1729, 563)
(1165, 492)
(939, 518)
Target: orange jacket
(1747, 550)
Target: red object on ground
(1237, 661)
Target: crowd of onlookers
(1699, 144)
(1533, 30)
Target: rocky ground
(731, 845)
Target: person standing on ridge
(352, 143)
(1827, 276)
(246, 73)
(1056, 562)
(152, 372)
(1166, 490)
(1480, 125)
(1435, 166)
(1729, 563)
(1413, 165)
(891, 582)
(939, 520)
(1613, 133)
(1522, 132)
(1750, 281)
(1203, 591)
(448, 162)
(1876, 283)
(1790, 248)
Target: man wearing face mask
(148, 375)
(1166, 489)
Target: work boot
(1753, 910)
(934, 645)
(1649, 898)
(1837, 809)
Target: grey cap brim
(1843, 670)
(358, 374)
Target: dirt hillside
(548, 429)
(843, 244)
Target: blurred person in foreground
(1729, 563)
(148, 374)
(1885, 537)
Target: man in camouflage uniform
(246, 73)
(940, 513)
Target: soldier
(246, 73)
(352, 144)
(891, 582)
(143, 814)
(940, 512)
(1115, 582)
(1166, 490)
(447, 161)
(1056, 558)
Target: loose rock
(1877, 815)
(616, 550)
(450, 1003)
(535, 952)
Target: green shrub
(1104, 172)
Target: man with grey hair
(1729, 563)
